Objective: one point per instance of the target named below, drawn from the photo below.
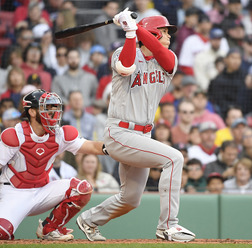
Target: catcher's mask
(153, 23)
(49, 107)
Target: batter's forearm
(92, 147)
(128, 53)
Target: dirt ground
(113, 241)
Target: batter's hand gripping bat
(84, 28)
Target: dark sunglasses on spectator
(27, 37)
(61, 55)
(186, 112)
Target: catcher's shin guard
(6, 230)
(78, 195)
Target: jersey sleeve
(71, 143)
(7, 153)
(115, 57)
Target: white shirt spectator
(197, 152)
(195, 44)
(66, 171)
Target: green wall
(209, 216)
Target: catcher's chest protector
(36, 157)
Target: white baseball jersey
(135, 98)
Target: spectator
(64, 16)
(34, 17)
(237, 130)
(80, 80)
(235, 34)
(153, 179)
(53, 8)
(224, 165)
(215, 183)
(90, 169)
(61, 63)
(143, 9)
(233, 112)
(10, 118)
(217, 13)
(180, 131)
(184, 179)
(202, 114)
(162, 132)
(246, 19)
(196, 179)
(194, 136)
(183, 148)
(33, 64)
(188, 27)
(5, 104)
(61, 170)
(247, 53)
(234, 14)
(84, 42)
(229, 86)
(21, 12)
(204, 62)
(189, 87)
(15, 83)
(78, 117)
(24, 37)
(15, 58)
(194, 44)
(98, 57)
(175, 89)
(34, 80)
(43, 34)
(242, 182)
(185, 4)
(169, 9)
(168, 112)
(104, 73)
(205, 151)
(108, 34)
(247, 143)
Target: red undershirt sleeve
(164, 56)
(128, 53)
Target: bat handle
(133, 15)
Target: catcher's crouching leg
(78, 195)
(6, 230)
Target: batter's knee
(178, 158)
(132, 200)
(6, 229)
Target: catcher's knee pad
(78, 195)
(6, 230)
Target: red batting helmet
(153, 23)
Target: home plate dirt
(125, 241)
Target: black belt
(6, 184)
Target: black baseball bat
(84, 28)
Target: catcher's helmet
(153, 23)
(49, 106)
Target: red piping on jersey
(158, 155)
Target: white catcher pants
(137, 152)
(16, 204)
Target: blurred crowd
(206, 114)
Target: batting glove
(127, 23)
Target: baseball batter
(141, 76)
(27, 153)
